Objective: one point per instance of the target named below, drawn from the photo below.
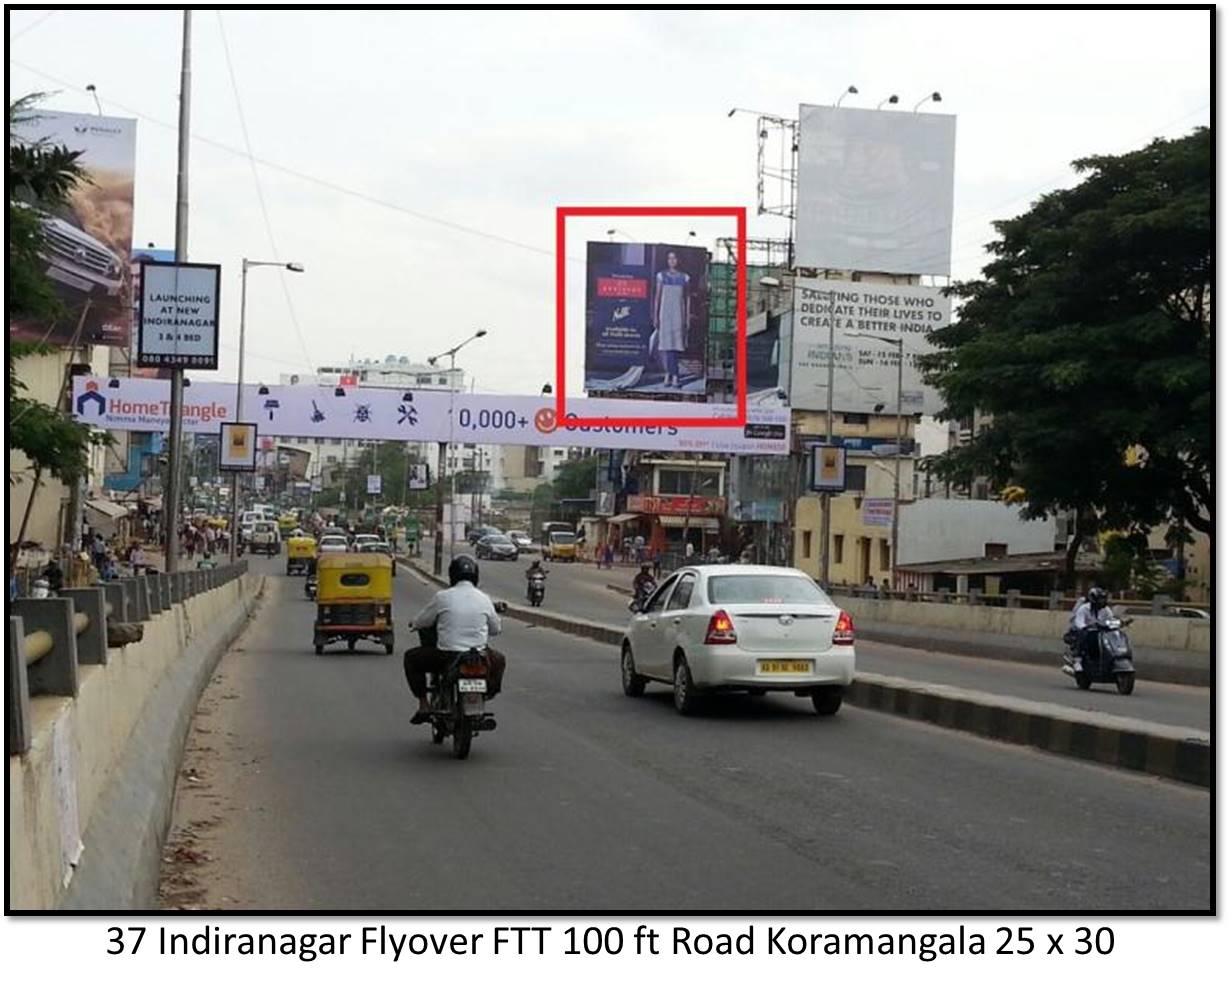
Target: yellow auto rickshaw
(287, 523)
(354, 599)
(300, 552)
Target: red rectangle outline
(739, 213)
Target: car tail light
(842, 635)
(720, 629)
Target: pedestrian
(610, 552)
(98, 550)
(597, 554)
(55, 576)
(657, 563)
(110, 569)
(136, 559)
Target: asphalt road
(580, 589)
(310, 789)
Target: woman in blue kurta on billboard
(671, 316)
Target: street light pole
(826, 497)
(452, 477)
(237, 476)
(170, 502)
(899, 344)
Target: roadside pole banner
(877, 512)
(238, 451)
(384, 414)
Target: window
(422, 379)
(838, 549)
(764, 589)
(682, 592)
(659, 599)
(856, 419)
(355, 580)
(806, 543)
(673, 481)
(995, 550)
(441, 380)
(855, 477)
(885, 556)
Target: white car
(738, 627)
(332, 544)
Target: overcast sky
(488, 120)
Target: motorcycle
(309, 587)
(536, 590)
(1113, 664)
(641, 595)
(457, 696)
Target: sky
(412, 161)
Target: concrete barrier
(90, 801)
(1132, 744)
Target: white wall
(937, 529)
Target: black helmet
(463, 568)
(1098, 598)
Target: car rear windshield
(764, 589)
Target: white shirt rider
(1085, 617)
(464, 617)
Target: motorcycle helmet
(1098, 598)
(463, 568)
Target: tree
(575, 479)
(40, 178)
(1088, 342)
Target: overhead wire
(30, 27)
(260, 194)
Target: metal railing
(1160, 605)
(50, 638)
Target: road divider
(1133, 744)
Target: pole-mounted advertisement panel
(177, 315)
(827, 468)
(238, 448)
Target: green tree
(575, 479)
(1088, 341)
(40, 178)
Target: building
(669, 502)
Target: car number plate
(474, 685)
(784, 667)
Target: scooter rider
(642, 583)
(536, 569)
(1084, 620)
(464, 619)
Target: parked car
(740, 627)
(521, 539)
(496, 547)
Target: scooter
(1113, 664)
(537, 589)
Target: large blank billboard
(875, 190)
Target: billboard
(238, 450)
(864, 379)
(646, 319)
(827, 468)
(385, 414)
(875, 190)
(86, 246)
(177, 315)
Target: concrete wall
(935, 529)
(1194, 635)
(102, 765)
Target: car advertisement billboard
(864, 374)
(86, 245)
(646, 319)
(875, 190)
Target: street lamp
(447, 447)
(893, 99)
(899, 344)
(290, 266)
(936, 96)
(851, 91)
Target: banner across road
(318, 412)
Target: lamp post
(452, 477)
(893, 99)
(850, 91)
(290, 266)
(899, 344)
(936, 97)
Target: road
(580, 589)
(305, 786)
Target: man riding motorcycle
(464, 618)
(533, 573)
(1082, 636)
(643, 584)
